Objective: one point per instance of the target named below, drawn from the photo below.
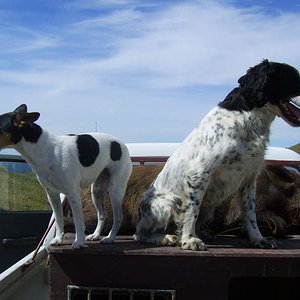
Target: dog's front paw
(194, 244)
(57, 241)
(93, 237)
(264, 243)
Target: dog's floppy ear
(23, 118)
(253, 84)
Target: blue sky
(145, 71)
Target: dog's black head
(17, 124)
(272, 82)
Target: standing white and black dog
(220, 157)
(66, 164)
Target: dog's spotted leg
(195, 186)
(256, 239)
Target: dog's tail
(157, 210)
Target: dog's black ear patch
(31, 132)
(115, 151)
(252, 91)
(88, 149)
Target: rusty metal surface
(229, 246)
(229, 270)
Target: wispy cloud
(187, 44)
(203, 44)
(116, 18)
(100, 4)
(16, 39)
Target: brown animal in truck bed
(277, 204)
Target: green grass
(296, 148)
(21, 191)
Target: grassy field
(21, 191)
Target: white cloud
(201, 43)
(116, 18)
(16, 39)
(141, 66)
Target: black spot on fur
(88, 149)
(31, 132)
(192, 197)
(253, 224)
(115, 151)
(250, 206)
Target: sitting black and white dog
(220, 157)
